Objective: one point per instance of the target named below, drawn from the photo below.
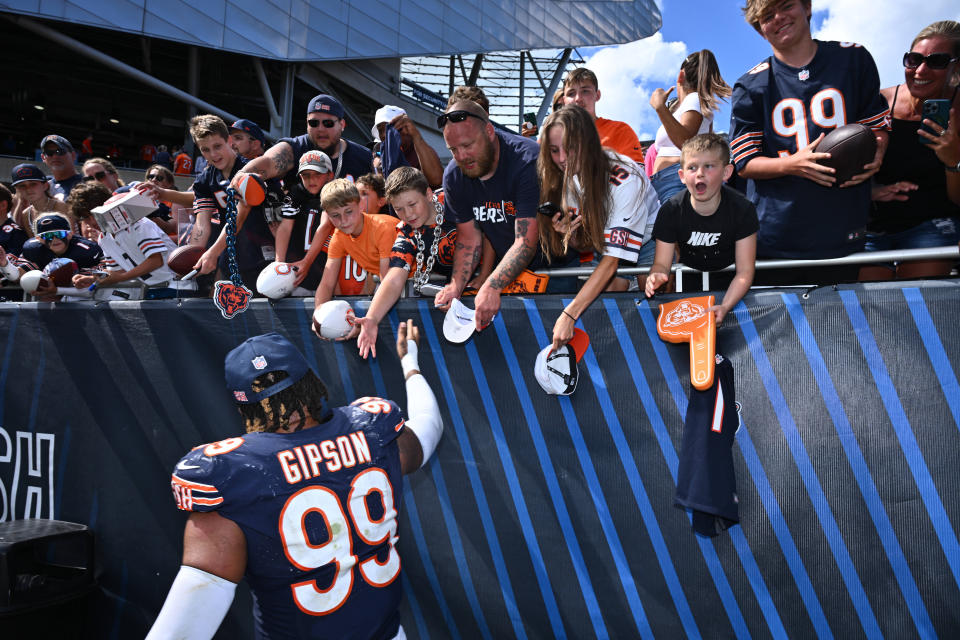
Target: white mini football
(30, 281)
(276, 280)
(335, 319)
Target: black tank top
(908, 159)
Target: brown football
(850, 147)
(61, 271)
(182, 259)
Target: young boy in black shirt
(710, 225)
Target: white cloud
(628, 73)
(884, 27)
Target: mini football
(182, 259)
(30, 281)
(61, 271)
(850, 147)
(276, 280)
(334, 319)
(251, 189)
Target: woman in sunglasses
(603, 202)
(178, 220)
(103, 171)
(917, 190)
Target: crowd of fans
(573, 192)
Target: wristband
(410, 362)
(564, 312)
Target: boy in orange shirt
(366, 237)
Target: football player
(304, 505)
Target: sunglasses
(98, 175)
(50, 236)
(456, 116)
(328, 124)
(157, 177)
(56, 151)
(912, 60)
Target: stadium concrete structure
(133, 72)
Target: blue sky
(629, 73)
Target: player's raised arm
(424, 425)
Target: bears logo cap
(51, 222)
(26, 173)
(251, 128)
(315, 161)
(557, 372)
(60, 141)
(259, 355)
(325, 104)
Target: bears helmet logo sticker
(231, 299)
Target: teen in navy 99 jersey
(319, 513)
(304, 506)
(779, 110)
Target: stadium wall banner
(542, 516)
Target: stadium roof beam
(120, 67)
(475, 70)
(275, 119)
(554, 82)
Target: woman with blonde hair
(699, 87)
(599, 202)
(103, 171)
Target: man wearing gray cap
(325, 125)
(58, 154)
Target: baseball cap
(458, 324)
(386, 113)
(250, 127)
(315, 161)
(51, 222)
(26, 173)
(259, 355)
(557, 372)
(325, 104)
(60, 141)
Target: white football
(276, 280)
(335, 319)
(30, 281)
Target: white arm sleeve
(195, 606)
(424, 415)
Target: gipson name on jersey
(309, 460)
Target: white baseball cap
(386, 113)
(458, 324)
(557, 372)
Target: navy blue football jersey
(86, 253)
(706, 482)
(318, 509)
(12, 237)
(778, 109)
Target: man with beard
(325, 125)
(490, 189)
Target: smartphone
(938, 111)
(530, 117)
(548, 209)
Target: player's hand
(81, 281)
(487, 305)
(367, 340)
(206, 263)
(562, 331)
(895, 191)
(565, 222)
(804, 164)
(872, 167)
(659, 97)
(406, 331)
(719, 312)
(445, 296)
(655, 280)
(944, 142)
(354, 332)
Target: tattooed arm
(275, 163)
(466, 255)
(516, 260)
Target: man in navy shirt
(490, 189)
(305, 505)
(325, 125)
(58, 154)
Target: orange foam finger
(689, 320)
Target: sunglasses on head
(50, 236)
(455, 116)
(314, 123)
(912, 60)
(55, 151)
(97, 175)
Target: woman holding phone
(604, 200)
(917, 190)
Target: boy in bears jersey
(424, 244)
(305, 505)
(781, 110)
